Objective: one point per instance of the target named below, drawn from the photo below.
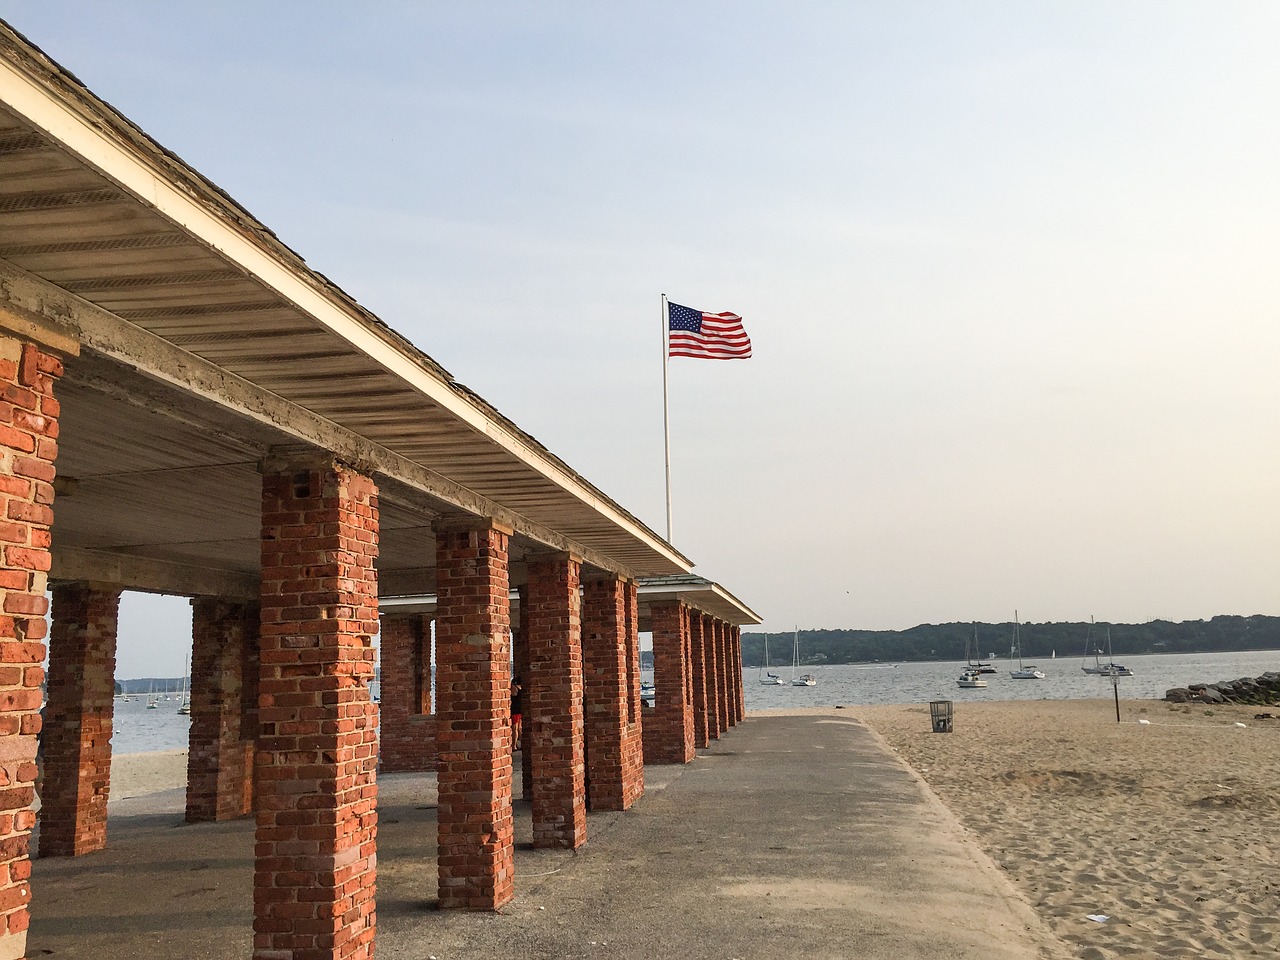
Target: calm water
(1064, 680)
(139, 730)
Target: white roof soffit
(699, 593)
(553, 497)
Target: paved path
(792, 837)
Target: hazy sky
(1010, 268)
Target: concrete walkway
(797, 836)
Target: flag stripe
(706, 336)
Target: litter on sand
(1145, 723)
(1097, 917)
(1239, 724)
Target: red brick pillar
(555, 690)
(742, 690)
(668, 728)
(223, 736)
(615, 773)
(77, 723)
(28, 448)
(739, 691)
(714, 675)
(407, 736)
(701, 680)
(726, 677)
(473, 716)
(520, 664)
(633, 735)
(318, 751)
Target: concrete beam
(152, 576)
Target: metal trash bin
(940, 714)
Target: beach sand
(1167, 828)
(142, 774)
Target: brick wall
(223, 724)
(407, 741)
(668, 727)
(473, 711)
(317, 819)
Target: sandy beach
(141, 774)
(1166, 828)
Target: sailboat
(1108, 669)
(184, 706)
(805, 679)
(1024, 672)
(971, 676)
(976, 665)
(766, 677)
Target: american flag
(706, 336)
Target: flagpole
(666, 413)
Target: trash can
(940, 714)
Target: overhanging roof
(165, 279)
(699, 593)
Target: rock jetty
(1252, 690)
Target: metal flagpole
(666, 413)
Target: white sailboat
(184, 705)
(1024, 672)
(971, 677)
(1108, 669)
(805, 679)
(766, 677)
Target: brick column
(633, 734)
(77, 725)
(668, 728)
(223, 734)
(615, 774)
(555, 691)
(726, 678)
(317, 755)
(742, 691)
(735, 638)
(716, 725)
(727, 696)
(520, 664)
(407, 737)
(28, 448)
(473, 716)
(701, 681)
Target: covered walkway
(802, 836)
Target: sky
(1009, 268)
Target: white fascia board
(38, 106)
(695, 595)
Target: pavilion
(205, 416)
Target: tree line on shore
(947, 641)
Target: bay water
(140, 730)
